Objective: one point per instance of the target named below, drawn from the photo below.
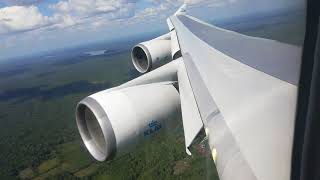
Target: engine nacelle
(110, 122)
(148, 55)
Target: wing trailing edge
(192, 123)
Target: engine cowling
(110, 122)
(148, 55)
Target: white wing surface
(245, 89)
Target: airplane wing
(245, 89)
(242, 90)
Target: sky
(32, 26)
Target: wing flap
(192, 123)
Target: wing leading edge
(245, 89)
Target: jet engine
(112, 121)
(148, 55)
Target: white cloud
(90, 7)
(21, 18)
(92, 12)
(65, 13)
(167, 6)
(20, 2)
(95, 13)
(208, 3)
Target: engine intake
(148, 55)
(141, 58)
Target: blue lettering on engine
(152, 127)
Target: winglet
(181, 10)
